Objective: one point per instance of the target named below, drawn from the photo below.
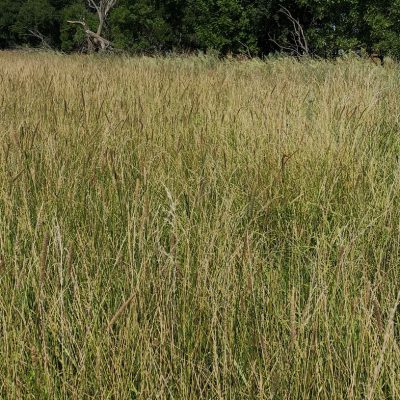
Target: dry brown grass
(249, 213)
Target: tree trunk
(94, 39)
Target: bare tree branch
(299, 46)
(92, 4)
(95, 39)
(80, 23)
(43, 40)
(289, 49)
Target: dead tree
(299, 44)
(95, 40)
(44, 42)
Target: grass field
(189, 228)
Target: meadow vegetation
(191, 228)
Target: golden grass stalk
(120, 311)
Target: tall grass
(197, 229)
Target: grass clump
(178, 229)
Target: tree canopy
(255, 27)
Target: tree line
(252, 27)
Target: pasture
(190, 228)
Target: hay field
(189, 228)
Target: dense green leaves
(224, 25)
(35, 16)
(239, 26)
(8, 17)
(140, 25)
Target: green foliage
(8, 17)
(336, 25)
(224, 25)
(140, 25)
(382, 19)
(37, 16)
(251, 26)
